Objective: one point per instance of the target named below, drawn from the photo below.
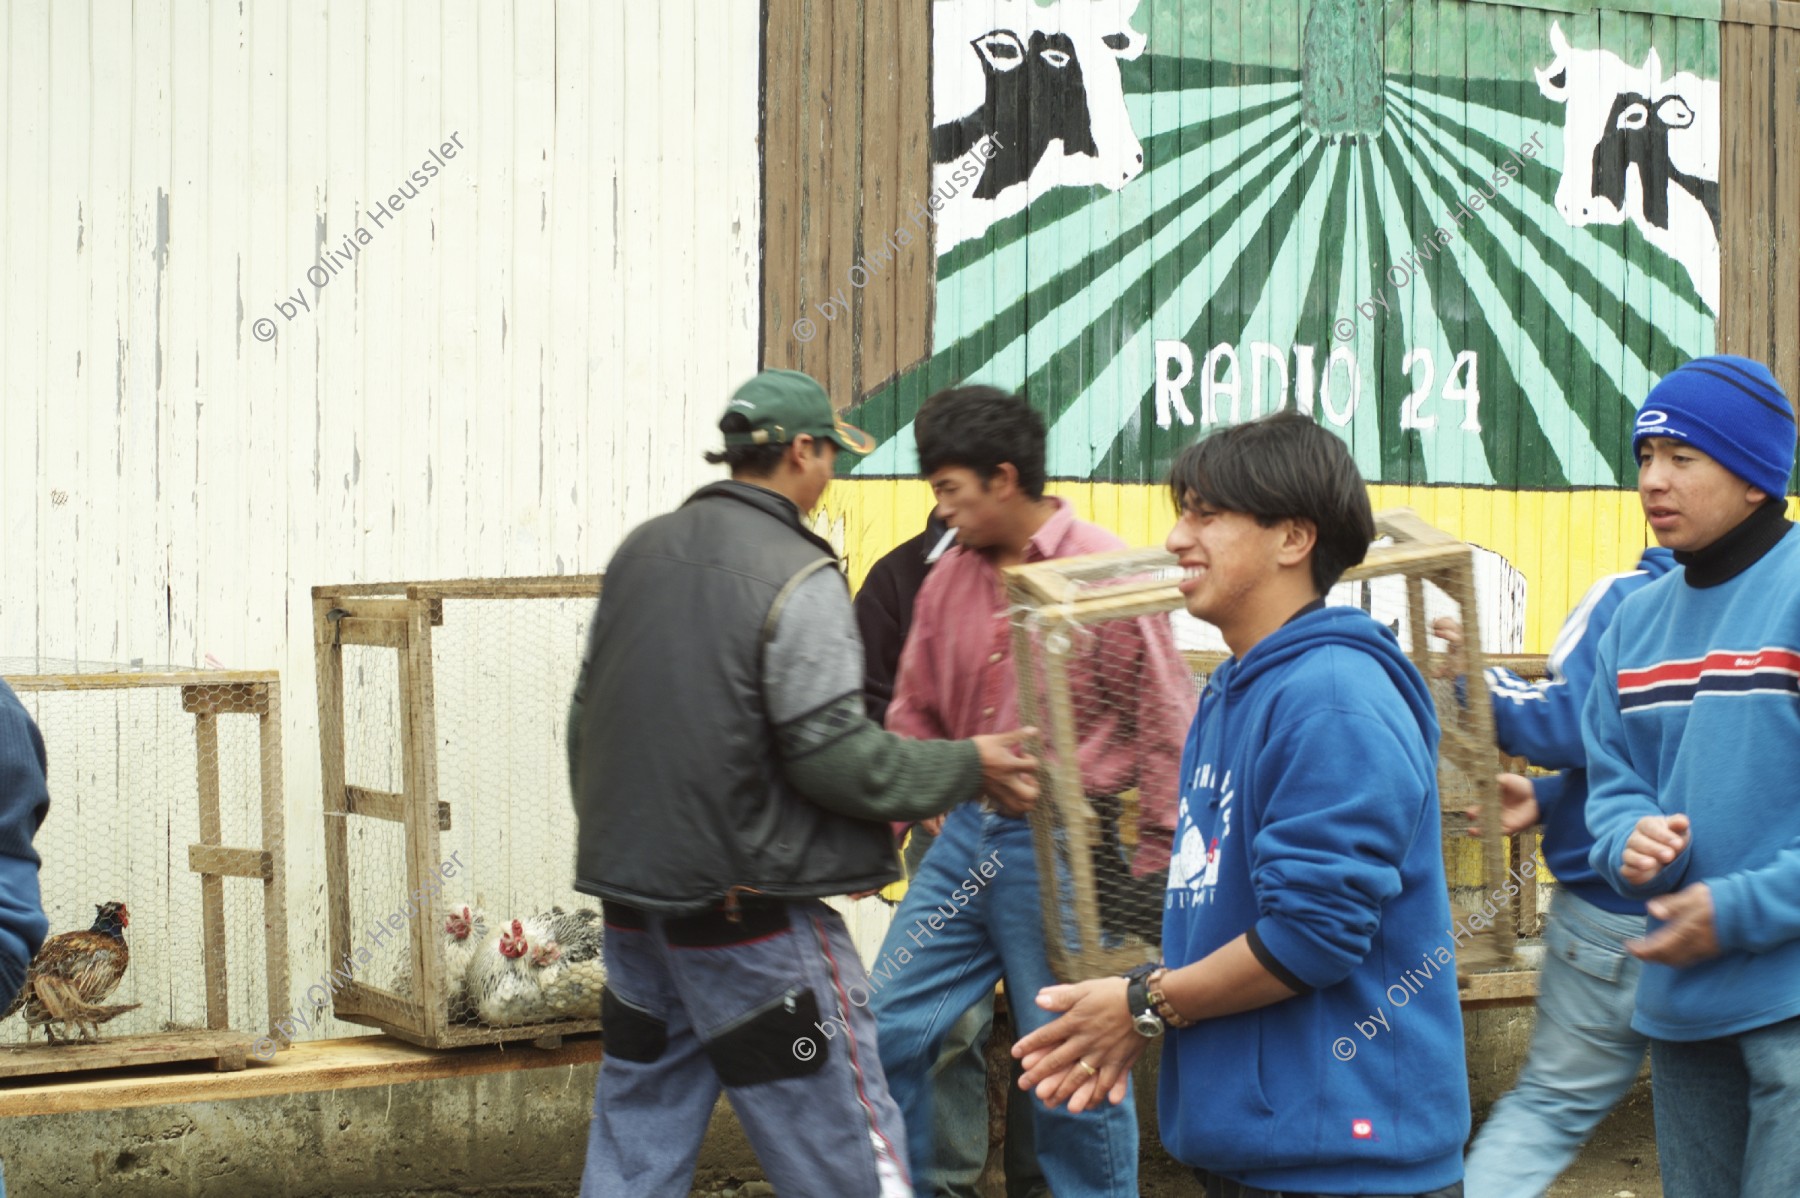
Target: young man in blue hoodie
(1693, 745)
(1317, 1045)
(1584, 1053)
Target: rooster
(73, 974)
(502, 981)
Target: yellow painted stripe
(1561, 541)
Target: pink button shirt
(1134, 695)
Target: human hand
(1008, 777)
(1688, 933)
(1518, 807)
(934, 825)
(1449, 630)
(1655, 842)
(1088, 1053)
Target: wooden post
(418, 747)
(274, 842)
(1043, 835)
(328, 661)
(212, 886)
(1076, 815)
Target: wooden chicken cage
(165, 795)
(442, 737)
(1058, 603)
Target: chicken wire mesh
(449, 830)
(1092, 644)
(163, 855)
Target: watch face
(1147, 1024)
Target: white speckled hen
(502, 981)
(569, 964)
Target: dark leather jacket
(676, 774)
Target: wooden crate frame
(400, 617)
(206, 695)
(1056, 593)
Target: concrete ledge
(308, 1066)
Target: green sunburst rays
(1513, 356)
(1056, 298)
(1577, 323)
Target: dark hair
(750, 461)
(979, 428)
(1279, 467)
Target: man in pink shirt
(973, 914)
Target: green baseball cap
(779, 405)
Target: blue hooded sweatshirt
(1541, 722)
(1309, 821)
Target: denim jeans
(778, 1020)
(959, 1126)
(1584, 1055)
(1728, 1113)
(956, 951)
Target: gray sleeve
(831, 752)
(816, 655)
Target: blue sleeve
(24, 801)
(1541, 721)
(1549, 790)
(1330, 844)
(1618, 797)
(1756, 910)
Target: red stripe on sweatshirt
(1773, 659)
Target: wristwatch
(1145, 1020)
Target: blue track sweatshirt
(1705, 719)
(23, 804)
(1309, 820)
(1541, 722)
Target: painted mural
(1465, 237)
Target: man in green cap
(725, 779)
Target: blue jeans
(1728, 1113)
(959, 1081)
(772, 1009)
(1584, 1055)
(956, 946)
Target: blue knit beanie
(1732, 410)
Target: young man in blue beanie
(1318, 1042)
(1693, 741)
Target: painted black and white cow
(1639, 147)
(1041, 105)
(1637, 135)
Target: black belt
(752, 919)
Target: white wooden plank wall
(523, 363)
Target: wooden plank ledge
(224, 1050)
(346, 1064)
(1500, 988)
